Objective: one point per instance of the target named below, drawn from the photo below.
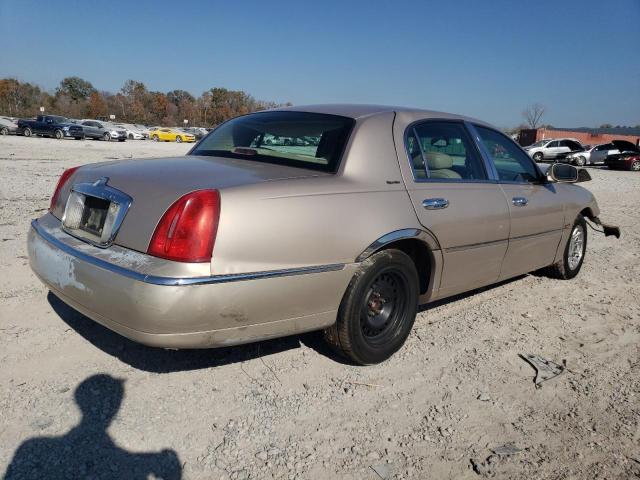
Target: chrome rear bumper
(173, 305)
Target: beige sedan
(342, 218)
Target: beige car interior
(439, 165)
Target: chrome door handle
(435, 203)
(519, 201)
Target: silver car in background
(553, 148)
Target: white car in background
(553, 148)
(132, 132)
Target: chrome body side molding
(178, 281)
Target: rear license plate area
(94, 215)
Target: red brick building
(586, 136)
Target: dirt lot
(289, 408)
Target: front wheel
(574, 252)
(156, 138)
(378, 309)
(27, 132)
(635, 166)
(178, 139)
(59, 134)
(538, 156)
(106, 137)
(580, 161)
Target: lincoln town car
(340, 218)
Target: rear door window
(443, 151)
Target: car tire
(580, 161)
(574, 253)
(378, 309)
(27, 132)
(178, 139)
(59, 134)
(4, 131)
(106, 137)
(131, 136)
(538, 156)
(635, 166)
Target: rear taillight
(63, 179)
(187, 230)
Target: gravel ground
(75, 397)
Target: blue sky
(488, 59)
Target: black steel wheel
(378, 309)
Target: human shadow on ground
(87, 450)
(158, 360)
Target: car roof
(356, 111)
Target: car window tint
(553, 144)
(443, 150)
(512, 164)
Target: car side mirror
(563, 173)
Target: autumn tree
(97, 106)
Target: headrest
(437, 160)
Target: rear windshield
(296, 139)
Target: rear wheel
(106, 137)
(538, 156)
(59, 134)
(378, 309)
(635, 166)
(574, 252)
(4, 131)
(580, 161)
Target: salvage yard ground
(456, 392)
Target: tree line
(133, 103)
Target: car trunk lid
(155, 184)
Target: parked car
(627, 156)
(553, 149)
(585, 157)
(171, 135)
(106, 131)
(198, 133)
(51, 126)
(238, 241)
(131, 131)
(8, 125)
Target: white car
(553, 148)
(132, 132)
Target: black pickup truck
(51, 126)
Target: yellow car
(170, 135)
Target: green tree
(75, 88)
